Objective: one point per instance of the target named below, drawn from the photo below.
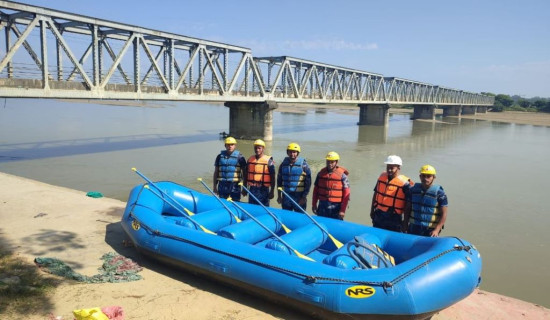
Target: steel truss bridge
(54, 54)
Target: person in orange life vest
(230, 169)
(294, 177)
(331, 189)
(260, 178)
(427, 206)
(390, 196)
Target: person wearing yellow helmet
(331, 189)
(294, 177)
(426, 210)
(230, 168)
(390, 196)
(260, 178)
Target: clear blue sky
(474, 45)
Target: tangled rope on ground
(115, 268)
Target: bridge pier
(452, 111)
(481, 109)
(251, 120)
(469, 109)
(424, 112)
(374, 114)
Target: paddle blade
(337, 243)
(302, 256)
(206, 230)
(287, 230)
(199, 179)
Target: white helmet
(393, 159)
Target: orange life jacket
(330, 186)
(390, 194)
(258, 171)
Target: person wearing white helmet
(427, 206)
(294, 177)
(230, 168)
(260, 178)
(331, 189)
(390, 196)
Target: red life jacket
(390, 194)
(258, 171)
(329, 184)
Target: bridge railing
(54, 54)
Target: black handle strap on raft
(386, 285)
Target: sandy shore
(41, 220)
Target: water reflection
(372, 134)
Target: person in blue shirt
(427, 206)
(294, 177)
(229, 172)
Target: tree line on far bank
(504, 102)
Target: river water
(494, 173)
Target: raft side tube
(212, 220)
(250, 231)
(304, 240)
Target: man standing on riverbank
(260, 175)
(390, 195)
(294, 177)
(427, 206)
(331, 189)
(230, 170)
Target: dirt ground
(41, 220)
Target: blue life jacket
(293, 176)
(229, 168)
(425, 208)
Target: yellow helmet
(427, 169)
(293, 147)
(259, 142)
(230, 140)
(332, 156)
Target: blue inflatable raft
(328, 269)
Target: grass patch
(23, 287)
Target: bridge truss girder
(53, 54)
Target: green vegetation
(23, 287)
(504, 102)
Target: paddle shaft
(336, 242)
(220, 200)
(287, 230)
(272, 233)
(186, 215)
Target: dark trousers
(387, 220)
(261, 193)
(329, 209)
(288, 205)
(229, 188)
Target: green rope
(115, 268)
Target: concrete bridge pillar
(424, 112)
(374, 114)
(452, 111)
(469, 109)
(251, 120)
(481, 109)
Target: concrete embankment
(49, 221)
